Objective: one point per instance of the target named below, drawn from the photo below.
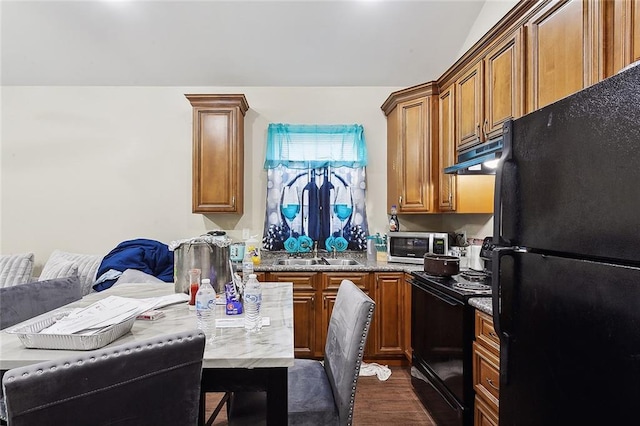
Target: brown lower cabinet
(314, 295)
(486, 371)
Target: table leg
(277, 400)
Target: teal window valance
(304, 146)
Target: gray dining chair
(152, 382)
(24, 301)
(320, 393)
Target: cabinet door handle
(484, 129)
(400, 201)
(490, 382)
(493, 334)
(233, 201)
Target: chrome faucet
(315, 249)
(334, 252)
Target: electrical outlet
(246, 233)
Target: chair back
(344, 347)
(22, 302)
(152, 382)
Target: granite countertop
(268, 260)
(483, 304)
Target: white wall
(490, 14)
(84, 168)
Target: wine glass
(343, 206)
(290, 206)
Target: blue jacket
(149, 256)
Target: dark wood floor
(377, 403)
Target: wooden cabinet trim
(408, 94)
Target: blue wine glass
(290, 206)
(343, 206)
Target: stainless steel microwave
(410, 247)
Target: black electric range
(442, 330)
(467, 284)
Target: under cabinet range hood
(479, 160)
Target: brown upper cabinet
(538, 53)
(218, 153)
(503, 84)
(489, 92)
(411, 160)
(565, 45)
(468, 112)
(446, 149)
(625, 33)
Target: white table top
(232, 347)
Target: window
(316, 185)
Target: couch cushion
(87, 267)
(58, 268)
(22, 302)
(15, 269)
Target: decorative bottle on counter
(252, 301)
(394, 223)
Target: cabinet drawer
(484, 414)
(486, 375)
(332, 280)
(485, 333)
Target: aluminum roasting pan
(29, 334)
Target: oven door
(437, 336)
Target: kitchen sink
(341, 262)
(300, 262)
(316, 261)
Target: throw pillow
(87, 266)
(15, 269)
(58, 268)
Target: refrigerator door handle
(497, 196)
(500, 306)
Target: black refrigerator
(566, 270)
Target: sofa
(16, 269)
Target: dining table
(234, 360)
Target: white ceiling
(232, 43)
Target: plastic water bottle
(206, 309)
(247, 267)
(252, 302)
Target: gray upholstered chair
(154, 382)
(25, 301)
(22, 302)
(320, 393)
